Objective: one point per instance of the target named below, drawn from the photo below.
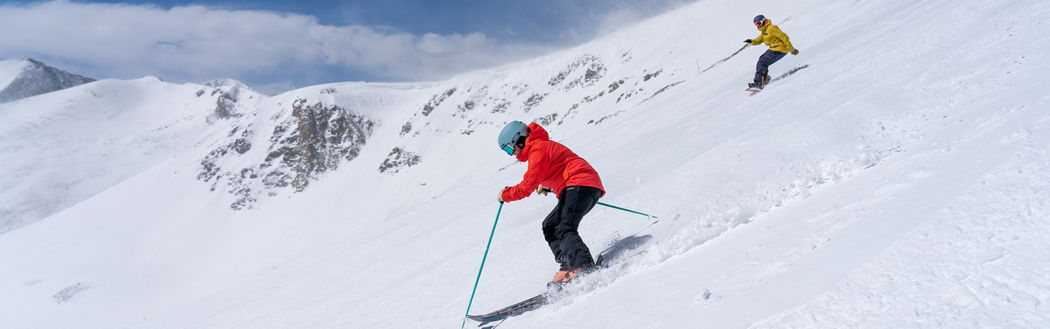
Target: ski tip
(486, 319)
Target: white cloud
(195, 43)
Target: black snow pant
(560, 227)
(767, 59)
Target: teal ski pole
(464, 324)
(547, 190)
(627, 210)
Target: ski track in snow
(956, 270)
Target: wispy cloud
(278, 50)
(196, 43)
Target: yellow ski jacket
(774, 38)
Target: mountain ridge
(37, 78)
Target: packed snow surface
(895, 176)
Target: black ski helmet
(760, 20)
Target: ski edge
(512, 310)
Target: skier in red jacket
(554, 168)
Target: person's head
(512, 138)
(761, 21)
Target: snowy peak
(229, 92)
(227, 84)
(11, 69)
(30, 77)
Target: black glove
(794, 52)
(747, 41)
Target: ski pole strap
(625, 209)
(464, 324)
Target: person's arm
(756, 41)
(537, 166)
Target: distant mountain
(11, 69)
(36, 78)
(60, 148)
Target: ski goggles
(508, 148)
(760, 23)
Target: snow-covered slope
(9, 70)
(29, 77)
(895, 177)
(67, 146)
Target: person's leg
(762, 69)
(578, 202)
(548, 230)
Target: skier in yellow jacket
(779, 46)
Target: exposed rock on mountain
(38, 78)
(315, 140)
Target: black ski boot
(759, 84)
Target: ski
(509, 311)
(613, 255)
(754, 90)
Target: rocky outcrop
(315, 140)
(397, 160)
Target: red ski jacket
(552, 165)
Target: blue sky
(279, 45)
